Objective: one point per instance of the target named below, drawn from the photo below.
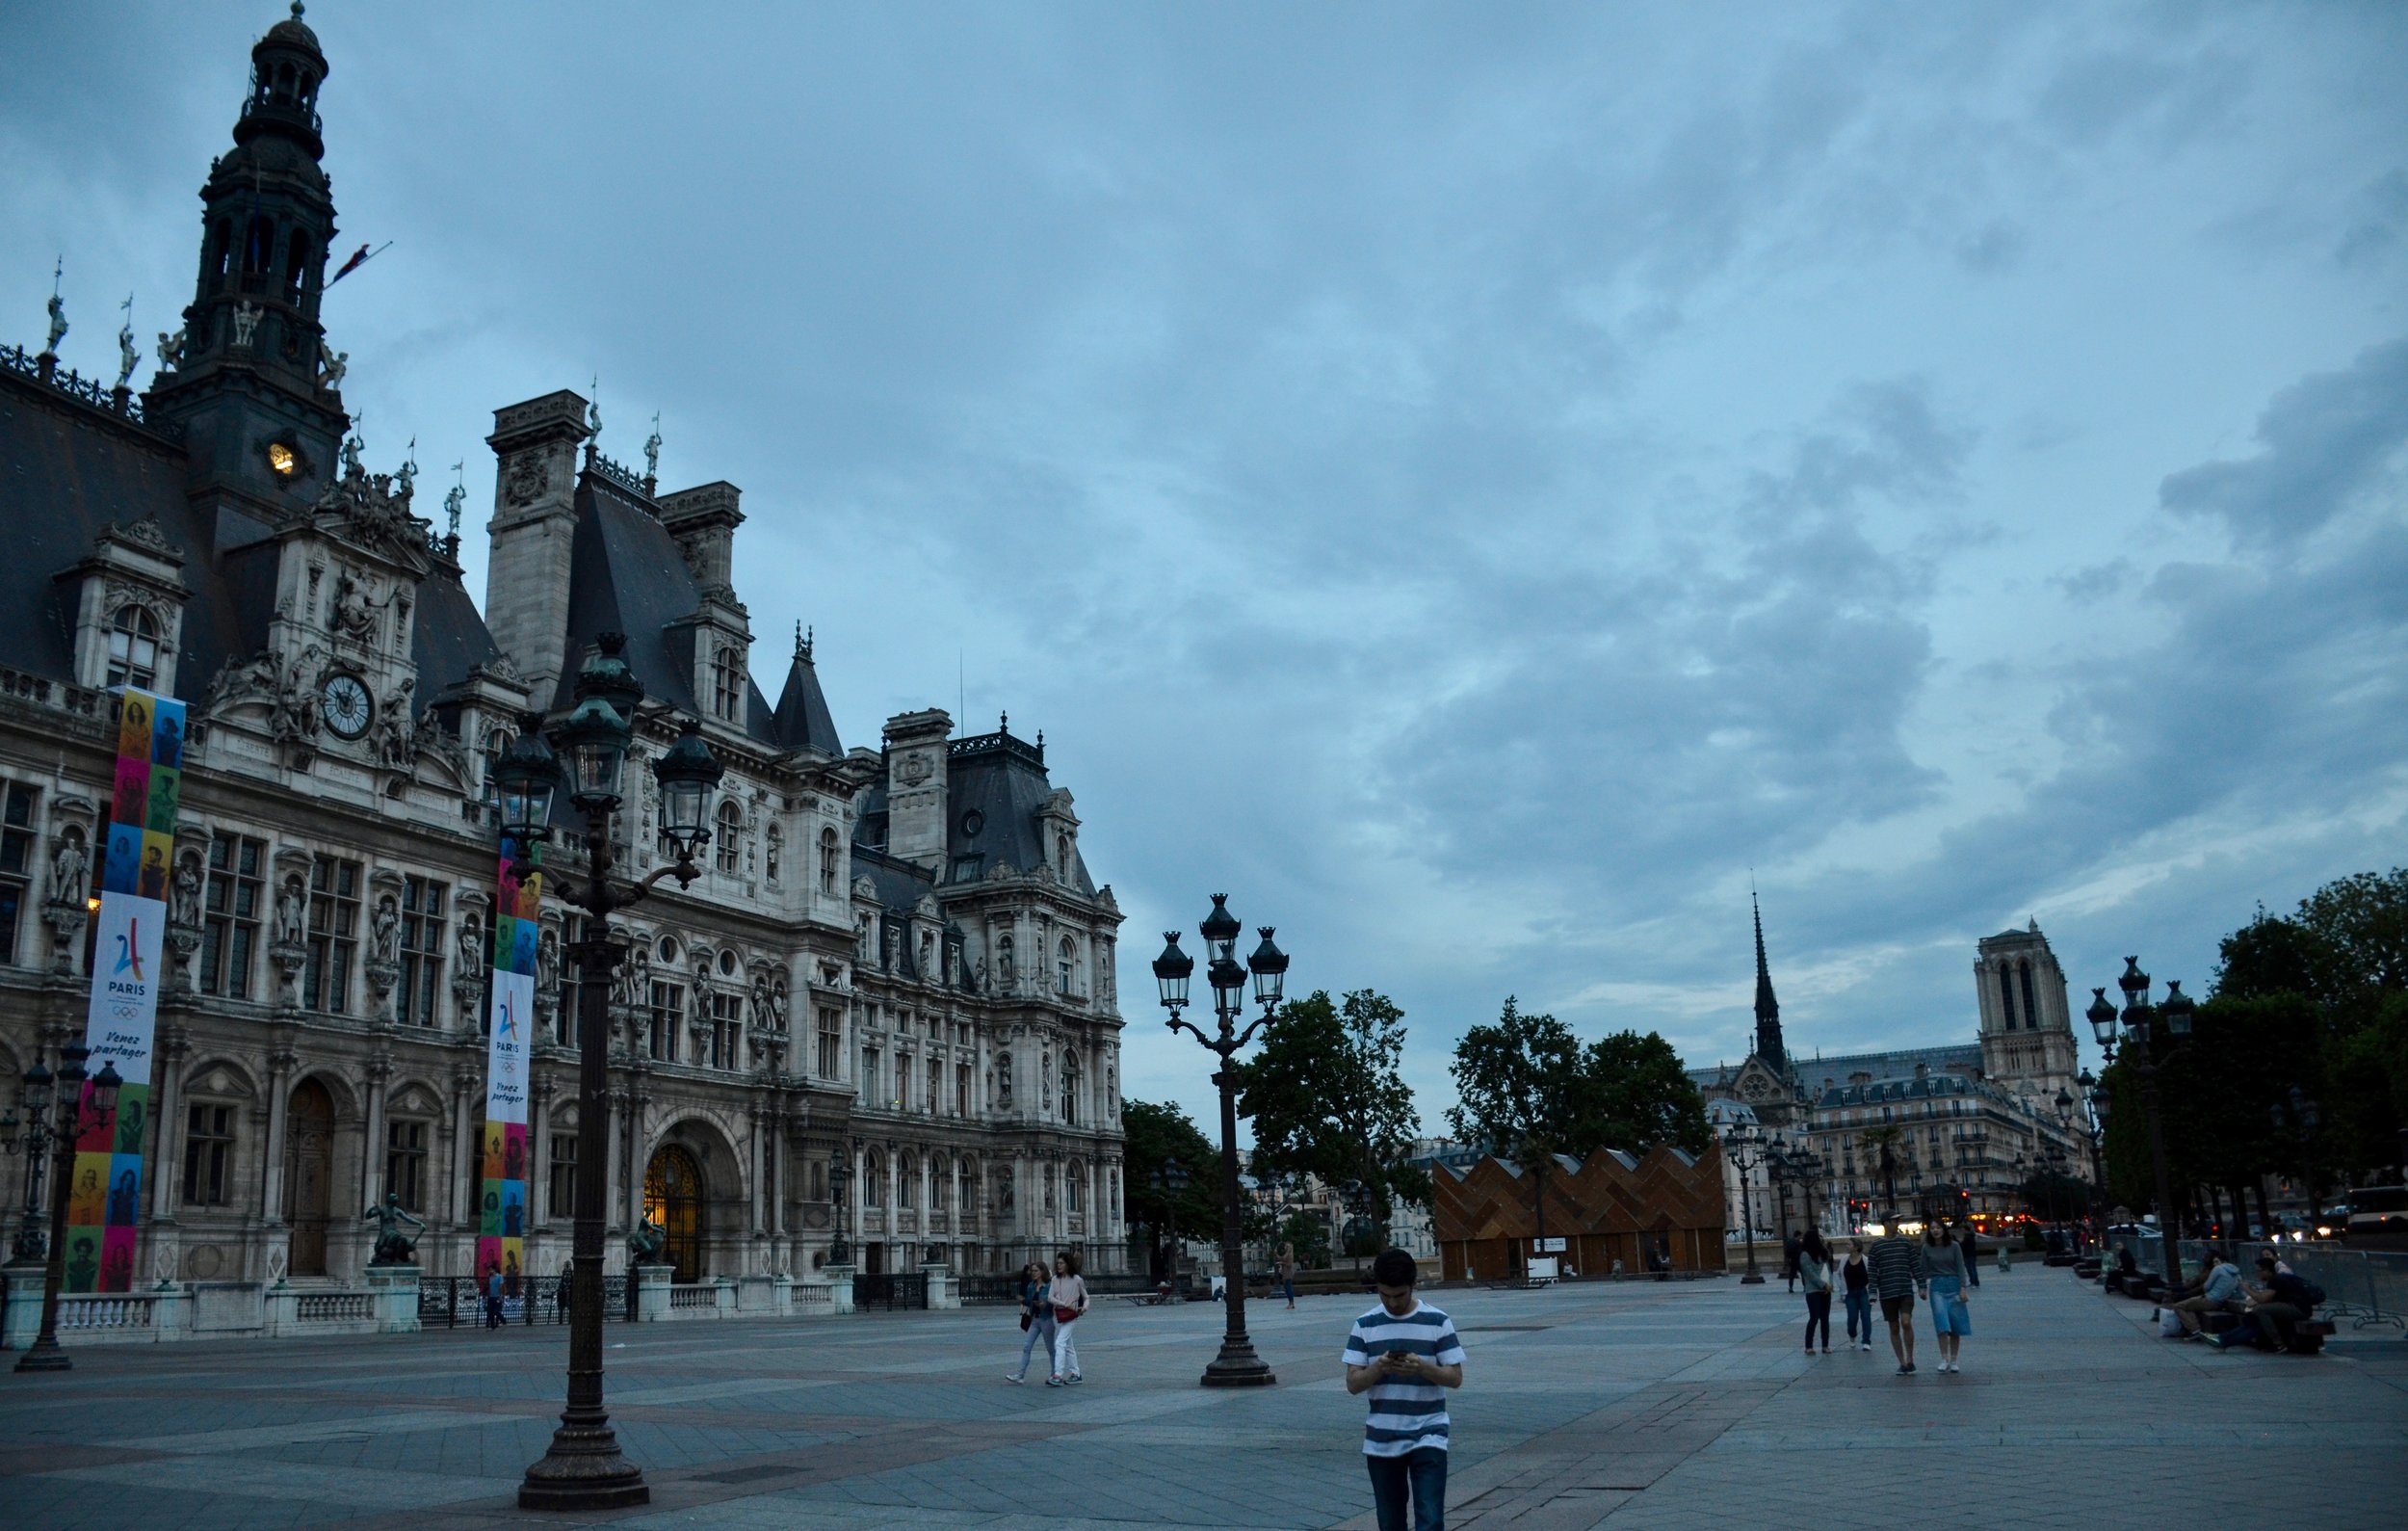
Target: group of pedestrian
(1051, 1304)
(1898, 1271)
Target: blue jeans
(1859, 1311)
(1040, 1332)
(1419, 1475)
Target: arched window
(296, 265)
(874, 1178)
(1069, 1090)
(828, 861)
(497, 742)
(1062, 855)
(729, 835)
(259, 250)
(727, 682)
(907, 1185)
(134, 648)
(2006, 997)
(221, 249)
(1063, 960)
(1073, 1188)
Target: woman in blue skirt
(1944, 1272)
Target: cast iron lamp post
(839, 1180)
(583, 1468)
(1742, 1145)
(56, 1142)
(2174, 1016)
(33, 1243)
(1237, 1365)
(1170, 1182)
(2096, 1093)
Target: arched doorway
(309, 1174)
(673, 1197)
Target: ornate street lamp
(839, 1181)
(73, 1116)
(1742, 1145)
(584, 1470)
(2173, 1017)
(33, 1242)
(1237, 1365)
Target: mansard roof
(68, 469)
(1002, 779)
(627, 575)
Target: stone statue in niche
(292, 912)
(185, 905)
(352, 616)
(397, 730)
(472, 952)
(384, 932)
(71, 869)
(548, 962)
(247, 323)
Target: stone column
(466, 1131)
(538, 1153)
(271, 1182)
(757, 1151)
(860, 1194)
(637, 1165)
(379, 1072)
(164, 1107)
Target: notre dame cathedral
(895, 959)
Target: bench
(2308, 1335)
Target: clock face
(347, 707)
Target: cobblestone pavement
(1630, 1406)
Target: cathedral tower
(2027, 1029)
(1767, 1009)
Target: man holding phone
(1405, 1353)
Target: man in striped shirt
(1405, 1354)
(1897, 1279)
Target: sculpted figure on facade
(292, 912)
(71, 869)
(171, 350)
(185, 907)
(245, 325)
(384, 932)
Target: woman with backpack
(1814, 1271)
(1036, 1317)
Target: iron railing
(890, 1292)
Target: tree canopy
(1160, 1135)
(1527, 1088)
(1327, 1099)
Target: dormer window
(134, 648)
(727, 683)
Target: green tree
(1520, 1092)
(1634, 1093)
(1310, 1237)
(1327, 1099)
(1159, 1136)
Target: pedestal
(652, 1293)
(839, 1278)
(24, 1316)
(393, 1293)
(941, 1290)
(169, 1319)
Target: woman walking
(1036, 1316)
(1856, 1279)
(1067, 1294)
(1814, 1273)
(1287, 1274)
(1944, 1270)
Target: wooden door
(309, 1174)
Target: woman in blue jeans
(1036, 1316)
(1856, 1286)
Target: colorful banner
(518, 910)
(105, 1195)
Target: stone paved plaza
(1640, 1405)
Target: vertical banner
(129, 930)
(518, 910)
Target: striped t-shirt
(1405, 1414)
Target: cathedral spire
(1767, 1009)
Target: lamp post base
(1238, 1366)
(583, 1470)
(45, 1355)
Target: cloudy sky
(1472, 483)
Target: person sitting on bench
(2219, 1291)
(2279, 1303)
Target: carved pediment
(372, 511)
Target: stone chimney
(916, 785)
(535, 519)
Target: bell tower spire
(1767, 1009)
(250, 365)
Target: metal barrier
(446, 1302)
(988, 1290)
(890, 1292)
(2369, 1287)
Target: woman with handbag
(1943, 1267)
(1067, 1295)
(1036, 1318)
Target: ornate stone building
(1964, 1113)
(894, 958)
